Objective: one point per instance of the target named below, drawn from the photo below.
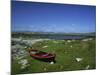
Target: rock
(79, 59)
(19, 58)
(52, 62)
(55, 42)
(24, 66)
(69, 41)
(87, 67)
(25, 47)
(44, 46)
(71, 46)
(87, 39)
(24, 63)
(91, 39)
(63, 40)
(45, 69)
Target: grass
(66, 54)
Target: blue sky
(51, 17)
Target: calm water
(57, 37)
(66, 37)
(61, 37)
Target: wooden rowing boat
(42, 55)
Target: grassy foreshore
(70, 55)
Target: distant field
(70, 55)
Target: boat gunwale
(42, 57)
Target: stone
(71, 46)
(87, 67)
(52, 62)
(45, 69)
(45, 46)
(69, 41)
(79, 59)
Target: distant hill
(53, 33)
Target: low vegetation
(70, 55)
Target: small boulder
(52, 62)
(45, 69)
(69, 41)
(71, 46)
(79, 59)
(44, 46)
(87, 67)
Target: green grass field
(67, 51)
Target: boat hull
(43, 56)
